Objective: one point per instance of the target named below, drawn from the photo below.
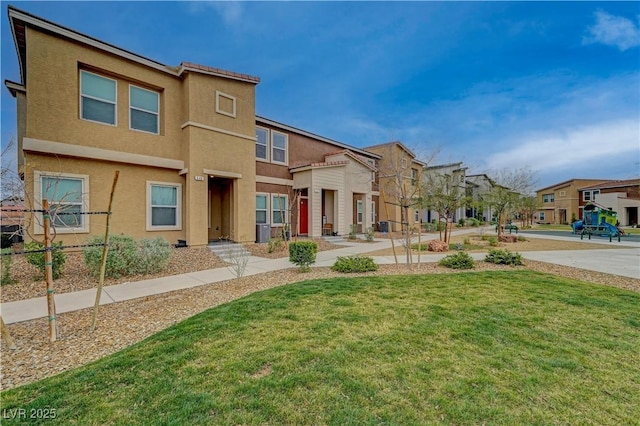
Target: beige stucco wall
(209, 143)
(129, 202)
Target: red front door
(304, 215)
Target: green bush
(493, 242)
(354, 264)
(275, 244)
(504, 257)
(420, 247)
(5, 263)
(521, 238)
(354, 230)
(37, 259)
(153, 255)
(472, 221)
(459, 260)
(303, 254)
(128, 257)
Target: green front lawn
(513, 347)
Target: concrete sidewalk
(623, 261)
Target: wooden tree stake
(48, 272)
(105, 250)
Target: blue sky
(552, 86)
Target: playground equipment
(597, 220)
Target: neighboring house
(477, 187)
(621, 196)
(183, 139)
(560, 202)
(12, 219)
(315, 185)
(399, 177)
(455, 176)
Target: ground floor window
(164, 202)
(262, 201)
(279, 205)
(67, 195)
(541, 216)
(359, 211)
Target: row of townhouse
(564, 202)
(196, 163)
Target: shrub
(456, 246)
(121, 257)
(459, 260)
(153, 255)
(493, 241)
(5, 263)
(275, 244)
(460, 222)
(467, 241)
(352, 233)
(303, 254)
(37, 259)
(503, 257)
(127, 257)
(420, 247)
(354, 264)
(472, 221)
(521, 238)
(369, 234)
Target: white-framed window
(591, 195)
(548, 198)
(563, 193)
(373, 212)
(359, 211)
(164, 206)
(541, 216)
(144, 110)
(279, 142)
(403, 163)
(225, 104)
(262, 208)
(262, 144)
(279, 205)
(98, 98)
(414, 177)
(67, 195)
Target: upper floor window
(262, 142)
(279, 143)
(144, 107)
(591, 195)
(97, 98)
(548, 198)
(414, 177)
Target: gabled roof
(565, 184)
(20, 19)
(402, 146)
(318, 166)
(348, 153)
(613, 184)
(273, 123)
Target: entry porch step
(228, 250)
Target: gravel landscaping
(125, 323)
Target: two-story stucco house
(559, 203)
(453, 176)
(182, 138)
(399, 177)
(315, 185)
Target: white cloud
(230, 11)
(593, 144)
(613, 31)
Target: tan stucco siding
(53, 93)
(130, 197)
